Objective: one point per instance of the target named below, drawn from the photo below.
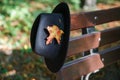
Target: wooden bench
(89, 44)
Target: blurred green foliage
(17, 16)
(14, 16)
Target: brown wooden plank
(83, 43)
(110, 35)
(80, 21)
(110, 55)
(82, 66)
(90, 41)
(88, 19)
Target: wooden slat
(88, 19)
(79, 67)
(90, 41)
(83, 43)
(110, 55)
(110, 35)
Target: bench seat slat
(107, 36)
(82, 66)
(83, 43)
(110, 55)
(88, 19)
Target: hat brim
(55, 64)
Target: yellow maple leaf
(54, 32)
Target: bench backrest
(90, 42)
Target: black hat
(50, 36)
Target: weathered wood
(91, 41)
(110, 55)
(82, 66)
(110, 35)
(83, 43)
(76, 68)
(88, 19)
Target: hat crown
(41, 48)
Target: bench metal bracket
(86, 77)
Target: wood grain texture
(110, 35)
(81, 66)
(88, 19)
(83, 43)
(110, 55)
(91, 41)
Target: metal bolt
(102, 59)
(99, 39)
(95, 17)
